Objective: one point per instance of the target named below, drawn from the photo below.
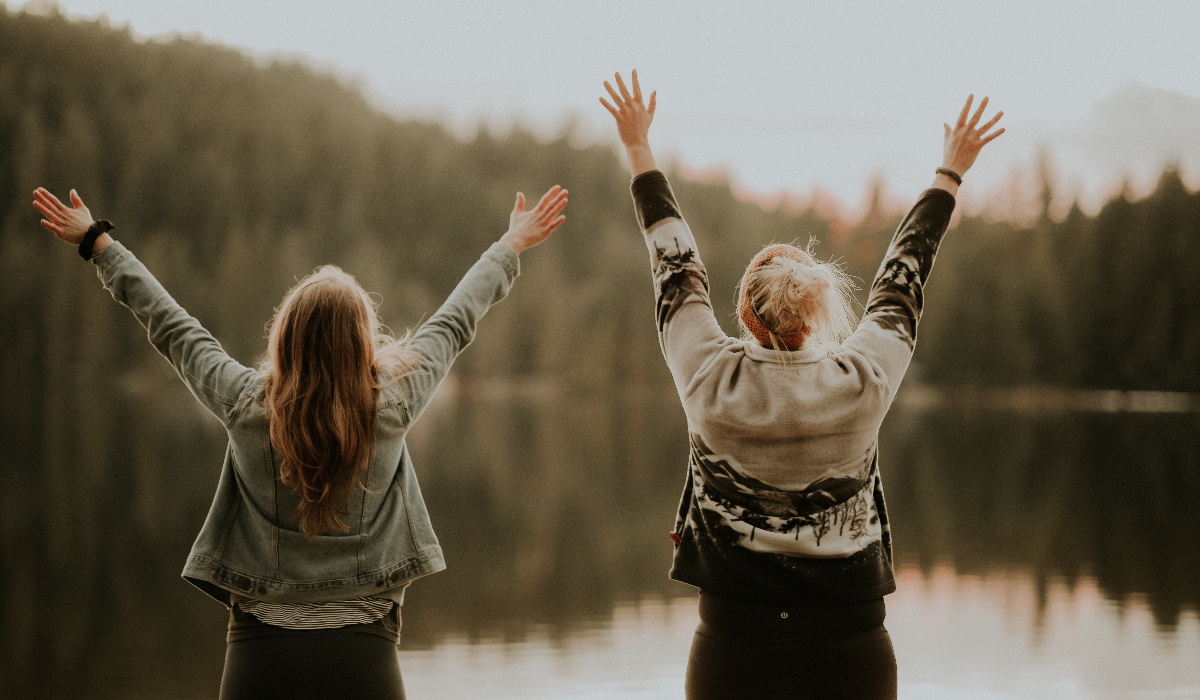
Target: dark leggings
(746, 649)
(357, 662)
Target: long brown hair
(323, 361)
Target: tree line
(233, 176)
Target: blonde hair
(788, 299)
(326, 352)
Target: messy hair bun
(787, 299)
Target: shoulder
(253, 395)
(810, 374)
(392, 390)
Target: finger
(978, 113)
(989, 138)
(552, 202)
(44, 195)
(650, 109)
(55, 201)
(624, 90)
(52, 228)
(547, 198)
(990, 124)
(76, 201)
(553, 209)
(557, 208)
(612, 110)
(947, 128)
(637, 89)
(47, 211)
(555, 224)
(962, 116)
(612, 93)
(519, 206)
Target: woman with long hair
(318, 525)
(782, 525)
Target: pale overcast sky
(785, 95)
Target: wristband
(89, 239)
(950, 174)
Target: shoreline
(913, 395)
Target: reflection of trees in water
(548, 515)
(1112, 496)
(102, 497)
(550, 512)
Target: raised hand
(963, 142)
(528, 228)
(68, 223)
(633, 117)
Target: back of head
(320, 393)
(788, 299)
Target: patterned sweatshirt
(783, 500)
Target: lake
(1043, 554)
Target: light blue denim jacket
(250, 545)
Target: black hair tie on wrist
(950, 174)
(89, 239)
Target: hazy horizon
(796, 97)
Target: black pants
(356, 661)
(747, 649)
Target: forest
(233, 176)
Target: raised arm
(688, 331)
(888, 331)
(633, 122)
(452, 327)
(211, 375)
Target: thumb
(947, 128)
(520, 205)
(76, 201)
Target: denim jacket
(250, 544)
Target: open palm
(528, 228)
(68, 223)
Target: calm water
(1040, 556)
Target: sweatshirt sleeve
(210, 374)
(688, 332)
(888, 331)
(438, 341)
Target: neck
(791, 341)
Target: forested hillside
(230, 177)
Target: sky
(778, 96)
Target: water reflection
(957, 637)
(553, 514)
(640, 652)
(549, 513)
(1005, 636)
(1060, 496)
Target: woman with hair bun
(318, 525)
(782, 524)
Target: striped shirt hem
(318, 616)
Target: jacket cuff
(109, 259)
(506, 258)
